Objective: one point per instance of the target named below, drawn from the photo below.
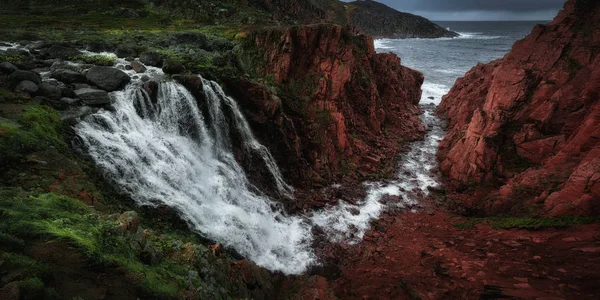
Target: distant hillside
(381, 21)
(370, 17)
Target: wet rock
(69, 101)
(138, 67)
(58, 51)
(68, 76)
(152, 59)
(124, 51)
(74, 114)
(172, 67)
(64, 65)
(50, 90)
(93, 97)
(7, 68)
(26, 86)
(20, 75)
(99, 46)
(108, 78)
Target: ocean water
(446, 59)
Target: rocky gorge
(111, 142)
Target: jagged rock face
(527, 126)
(341, 110)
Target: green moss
(528, 223)
(99, 60)
(11, 57)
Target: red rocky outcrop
(524, 131)
(341, 109)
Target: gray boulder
(7, 68)
(68, 76)
(138, 67)
(124, 51)
(151, 59)
(93, 96)
(172, 67)
(20, 75)
(108, 78)
(26, 86)
(49, 90)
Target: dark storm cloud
(479, 9)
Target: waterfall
(167, 153)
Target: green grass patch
(56, 218)
(527, 223)
(40, 127)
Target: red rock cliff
(524, 131)
(340, 108)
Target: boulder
(7, 68)
(49, 90)
(172, 67)
(93, 97)
(151, 59)
(138, 67)
(20, 75)
(26, 86)
(198, 39)
(107, 78)
(68, 76)
(69, 101)
(124, 51)
(58, 51)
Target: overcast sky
(470, 10)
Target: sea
(444, 60)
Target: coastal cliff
(524, 131)
(340, 110)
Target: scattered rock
(172, 67)
(68, 76)
(58, 51)
(93, 96)
(20, 75)
(151, 59)
(522, 286)
(108, 78)
(129, 222)
(138, 67)
(7, 68)
(49, 90)
(69, 101)
(26, 86)
(124, 51)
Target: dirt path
(425, 256)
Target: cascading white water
(166, 153)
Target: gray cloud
(479, 9)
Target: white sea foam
(435, 90)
